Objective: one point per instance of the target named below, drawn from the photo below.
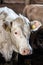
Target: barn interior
(36, 38)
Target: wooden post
(27, 2)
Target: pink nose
(26, 52)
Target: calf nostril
(24, 51)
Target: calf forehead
(19, 22)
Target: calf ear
(35, 25)
(7, 27)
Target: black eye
(15, 32)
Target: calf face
(20, 33)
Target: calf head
(20, 33)
(20, 36)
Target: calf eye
(15, 32)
